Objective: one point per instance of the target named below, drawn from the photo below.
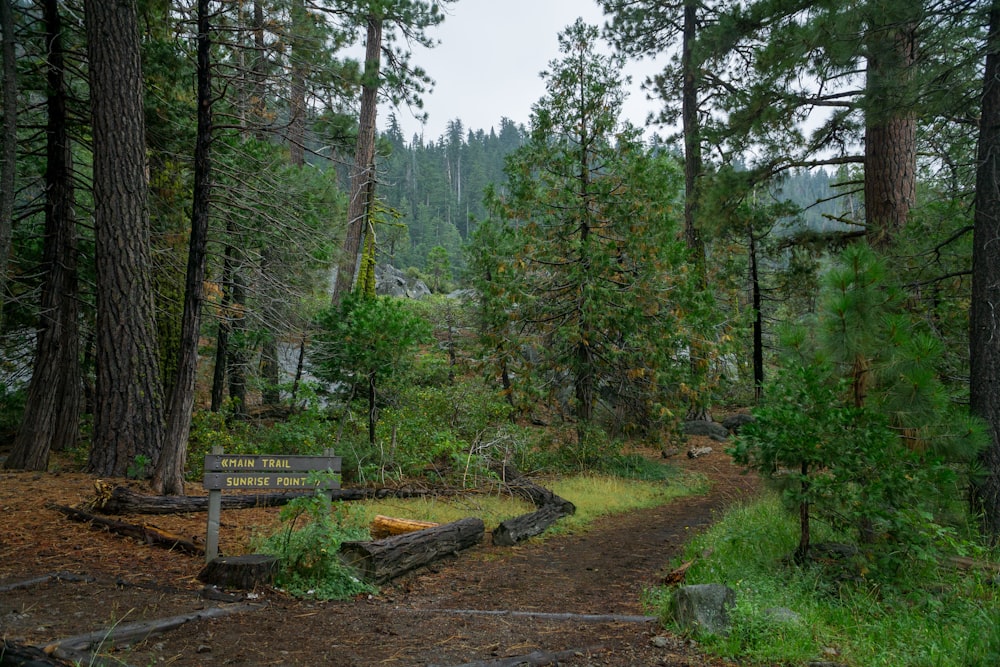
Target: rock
(390, 281)
(713, 430)
(734, 423)
(659, 641)
(669, 452)
(703, 607)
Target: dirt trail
(490, 603)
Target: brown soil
(413, 621)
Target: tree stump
(244, 573)
(379, 561)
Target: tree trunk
(758, 322)
(52, 412)
(128, 419)
(225, 325)
(890, 133)
(984, 330)
(297, 101)
(363, 174)
(8, 156)
(692, 142)
(237, 355)
(168, 477)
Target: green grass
(593, 495)
(928, 616)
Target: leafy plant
(139, 468)
(307, 544)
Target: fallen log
(387, 526)
(144, 532)
(525, 489)
(44, 579)
(139, 631)
(512, 531)
(13, 654)
(122, 500)
(243, 573)
(379, 561)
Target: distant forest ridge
(437, 186)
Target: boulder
(734, 423)
(703, 607)
(390, 281)
(713, 430)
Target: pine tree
(595, 246)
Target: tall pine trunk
(984, 330)
(168, 477)
(8, 156)
(128, 419)
(890, 132)
(363, 174)
(52, 412)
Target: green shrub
(307, 544)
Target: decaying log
(13, 654)
(387, 526)
(122, 500)
(379, 561)
(129, 632)
(145, 532)
(45, 578)
(551, 508)
(526, 489)
(243, 573)
(512, 531)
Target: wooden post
(214, 517)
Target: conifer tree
(595, 248)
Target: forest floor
(550, 590)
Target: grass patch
(933, 616)
(593, 495)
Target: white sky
(487, 64)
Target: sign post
(267, 472)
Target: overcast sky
(487, 64)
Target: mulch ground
(482, 606)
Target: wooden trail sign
(268, 472)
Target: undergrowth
(312, 530)
(925, 615)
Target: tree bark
(297, 92)
(8, 156)
(692, 142)
(378, 562)
(52, 412)
(890, 132)
(168, 476)
(128, 419)
(984, 329)
(520, 528)
(363, 174)
(244, 573)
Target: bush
(309, 563)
